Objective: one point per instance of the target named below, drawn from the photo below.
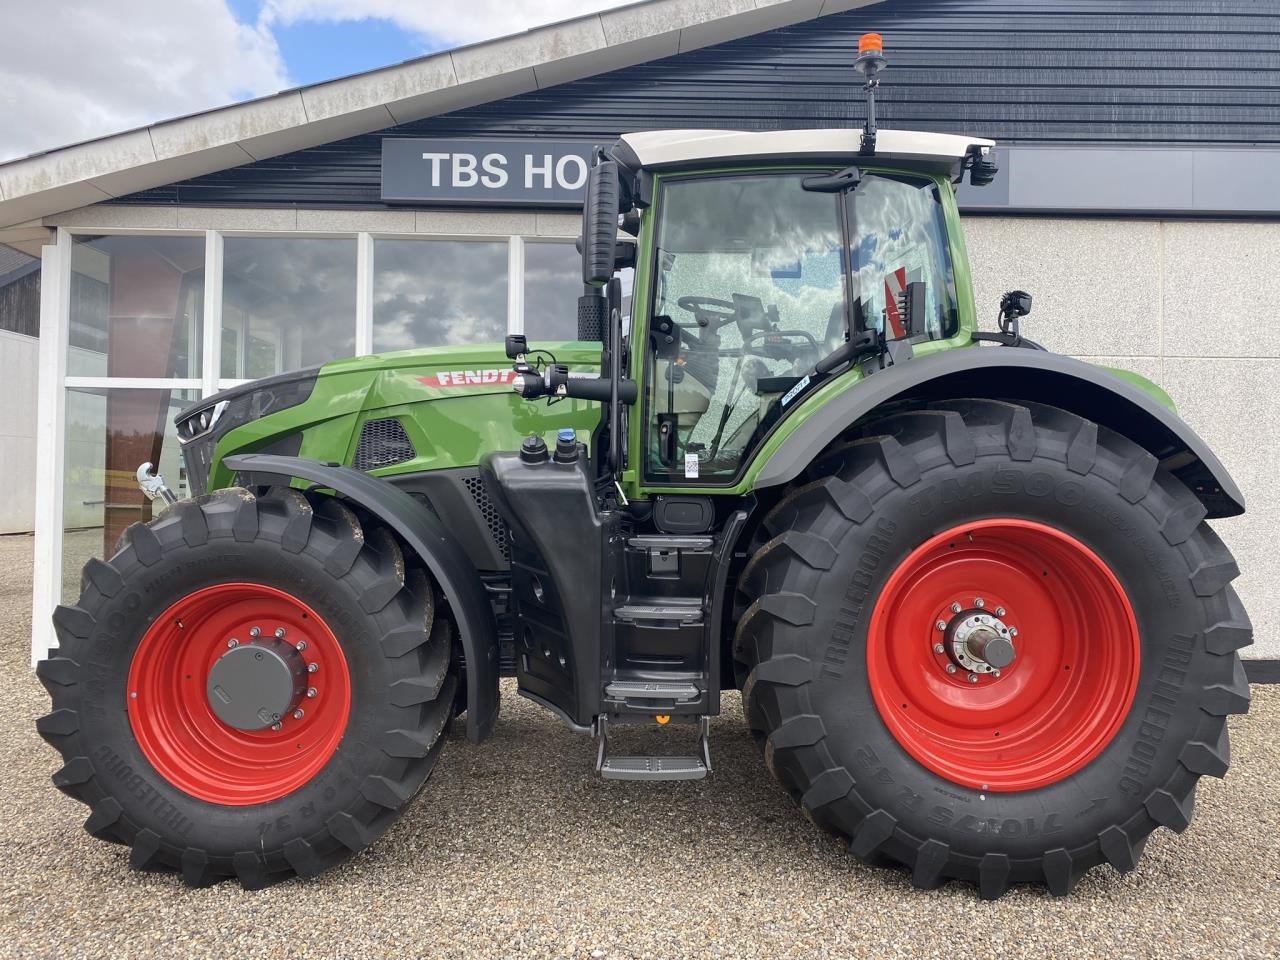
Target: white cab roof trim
(672, 148)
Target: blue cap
(566, 435)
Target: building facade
(433, 203)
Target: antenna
(870, 62)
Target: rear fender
(424, 534)
(1019, 375)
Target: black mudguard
(1019, 375)
(424, 534)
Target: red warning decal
(457, 379)
(894, 284)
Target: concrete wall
(18, 432)
(1194, 306)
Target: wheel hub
(252, 686)
(980, 642)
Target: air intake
(383, 443)
(489, 512)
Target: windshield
(751, 290)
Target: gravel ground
(517, 849)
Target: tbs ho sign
(546, 173)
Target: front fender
(1019, 375)
(424, 534)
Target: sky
(71, 70)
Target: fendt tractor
(965, 585)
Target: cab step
(668, 612)
(651, 694)
(653, 767)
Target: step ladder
(653, 767)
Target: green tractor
(965, 585)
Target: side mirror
(600, 224)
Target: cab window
(898, 235)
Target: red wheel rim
(179, 732)
(1040, 718)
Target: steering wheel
(709, 310)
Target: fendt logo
(454, 379)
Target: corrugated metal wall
(1021, 71)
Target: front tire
(886, 730)
(148, 739)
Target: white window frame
(54, 381)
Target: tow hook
(153, 485)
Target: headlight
(203, 424)
(197, 424)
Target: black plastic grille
(489, 511)
(383, 443)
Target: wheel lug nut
(1000, 611)
(941, 624)
(255, 632)
(300, 645)
(939, 648)
(979, 602)
(995, 673)
(279, 633)
(312, 667)
(956, 608)
(973, 678)
(1013, 631)
(297, 714)
(277, 725)
(233, 642)
(951, 668)
(311, 691)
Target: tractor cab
(762, 270)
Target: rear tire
(817, 658)
(215, 812)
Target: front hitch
(153, 485)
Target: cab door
(748, 292)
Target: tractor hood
(321, 412)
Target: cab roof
(941, 153)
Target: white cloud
(446, 21)
(71, 70)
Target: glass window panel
(430, 293)
(900, 236)
(287, 303)
(552, 286)
(109, 434)
(136, 305)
